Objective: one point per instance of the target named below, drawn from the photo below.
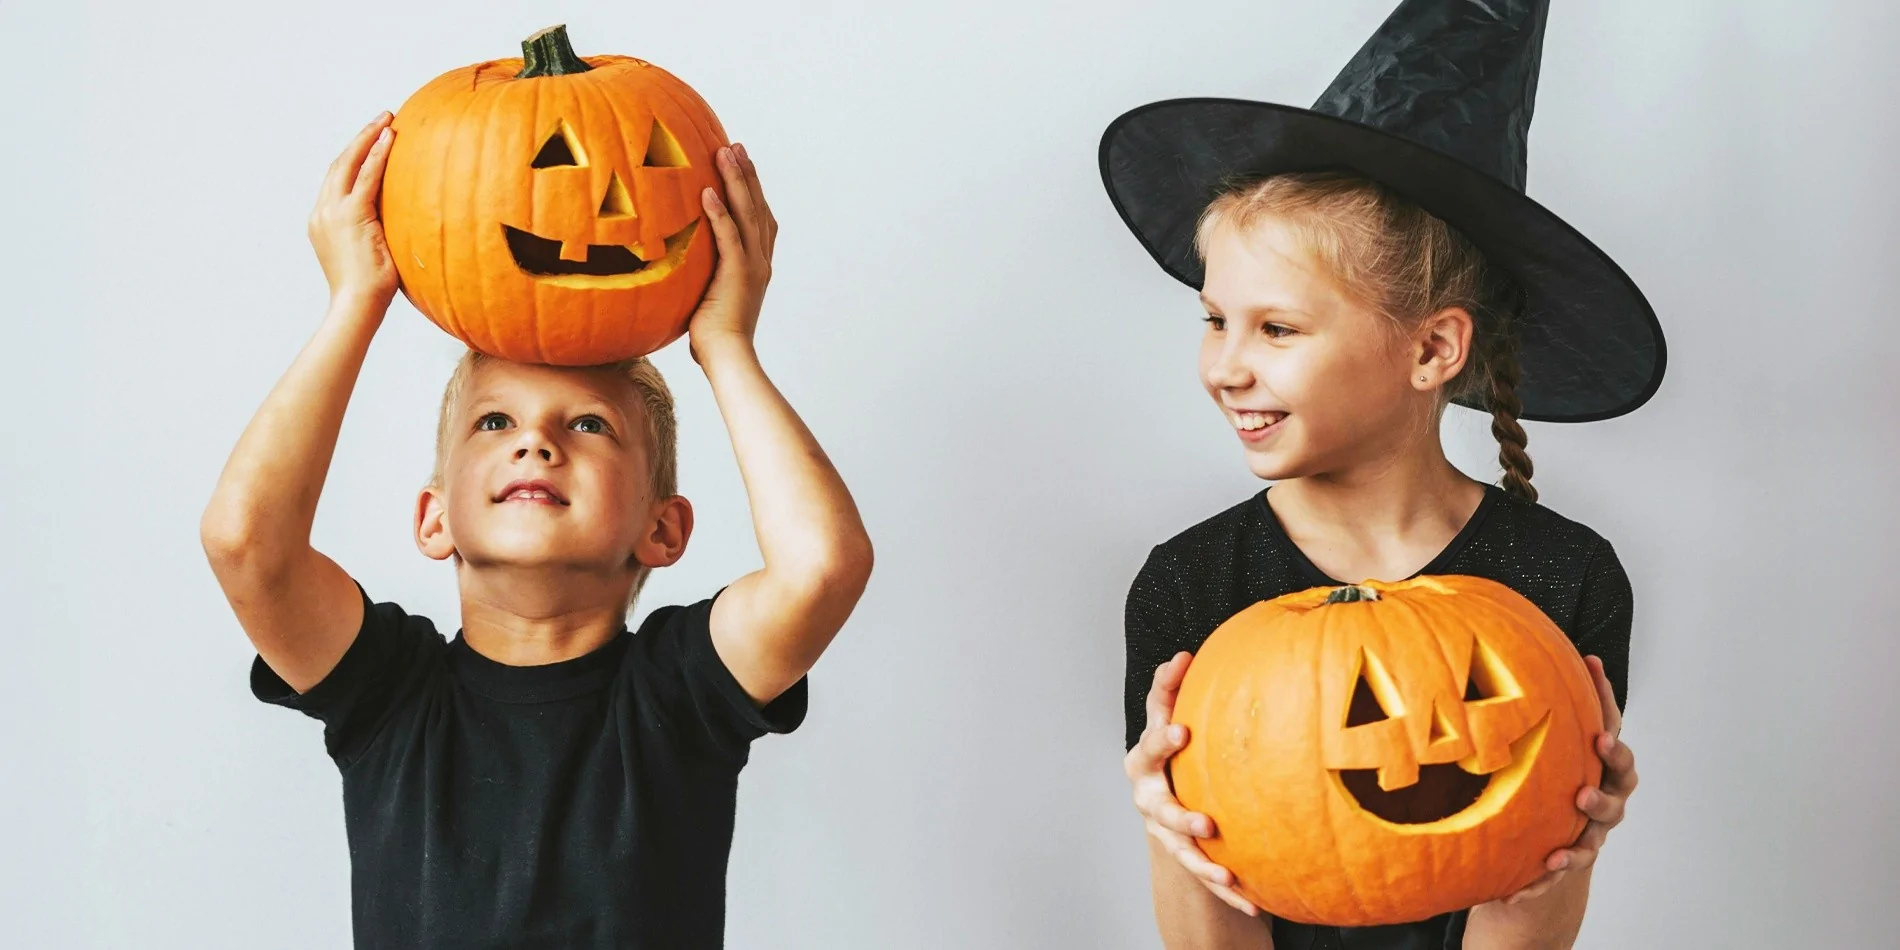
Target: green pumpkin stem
(548, 53)
(1351, 594)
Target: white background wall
(1007, 383)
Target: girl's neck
(1385, 521)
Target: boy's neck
(522, 621)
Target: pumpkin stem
(548, 53)
(1351, 594)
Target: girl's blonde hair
(1407, 265)
(656, 414)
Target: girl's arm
(1196, 905)
(770, 626)
(299, 608)
(1191, 917)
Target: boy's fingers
(1155, 801)
(739, 197)
(1603, 809)
(725, 232)
(369, 178)
(768, 226)
(343, 171)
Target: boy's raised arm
(299, 608)
(770, 626)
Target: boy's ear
(665, 539)
(432, 525)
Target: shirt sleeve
(1153, 624)
(382, 668)
(1605, 609)
(686, 689)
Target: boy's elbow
(235, 544)
(840, 573)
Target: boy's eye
(1276, 331)
(491, 422)
(593, 424)
(1218, 323)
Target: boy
(547, 778)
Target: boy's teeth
(1250, 421)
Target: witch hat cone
(1436, 106)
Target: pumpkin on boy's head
(1385, 753)
(547, 209)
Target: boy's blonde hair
(1407, 265)
(656, 414)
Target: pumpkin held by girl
(547, 209)
(1383, 753)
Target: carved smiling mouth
(607, 266)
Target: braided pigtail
(1501, 398)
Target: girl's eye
(1277, 331)
(1218, 323)
(591, 424)
(493, 422)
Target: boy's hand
(344, 227)
(729, 313)
(1168, 821)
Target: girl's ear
(433, 538)
(664, 541)
(1441, 347)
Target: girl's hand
(1171, 824)
(1604, 804)
(344, 228)
(729, 313)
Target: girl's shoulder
(1533, 529)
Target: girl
(1346, 308)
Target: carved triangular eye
(663, 150)
(1374, 696)
(560, 149)
(1488, 678)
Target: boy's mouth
(532, 491)
(605, 266)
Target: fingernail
(713, 197)
(1177, 734)
(738, 149)
(383, 136)
(1563, 862)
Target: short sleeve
(382, 669)
(686, 689)
(1154, 626)
(1605, 608)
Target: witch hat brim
(1590, 344)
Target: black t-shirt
(585, 803)
(1206, 574)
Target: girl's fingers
(1619, 765)
(369, 178)
(1604, 809)
(1233, 899)
(342, 172)
(1155, 801)
(1167, 684)
(1606, 695)
(1536, 889)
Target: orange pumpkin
(1385, 753)
(546, 209)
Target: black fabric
(586, 803)
(1436, 106)
(1206, 574)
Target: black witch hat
(1436, 106)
